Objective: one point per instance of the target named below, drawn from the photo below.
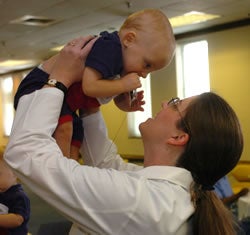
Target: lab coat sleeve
(77, 191)
(97, 149)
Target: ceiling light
(34, 20)
(189, 18)
(10, 65)
(57, 48)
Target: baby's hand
(137, 102)
(123, 102)
(131, 82)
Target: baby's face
(145, 56)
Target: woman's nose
(164, 104)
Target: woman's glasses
(174, 102)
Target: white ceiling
(82, 17)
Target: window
(8, 85)
(135, 118)
(7, 98)
(192, 68)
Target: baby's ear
(128, 38)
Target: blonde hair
(154, 23)
(143, 20)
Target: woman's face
(163, 125)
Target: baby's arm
(11, 220)
(95, 86)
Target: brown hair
(214, 148)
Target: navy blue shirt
(106, 55)
(18, 203)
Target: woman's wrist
(57, 84)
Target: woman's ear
(128, 38)
(178, 140)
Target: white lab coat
(121, 199)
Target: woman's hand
(70, 62)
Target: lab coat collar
(172, 174)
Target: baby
(144, 43)
(15, 204)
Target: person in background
(172, 193)
(14, 219)
(144, 43)
(224, 191)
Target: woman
(212, 145)
(188, 146)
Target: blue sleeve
(106, 55)
(223, 188)
(21, 206)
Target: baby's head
(148, 42)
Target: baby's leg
(75, 152)
(77, 137)
(63, 135)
